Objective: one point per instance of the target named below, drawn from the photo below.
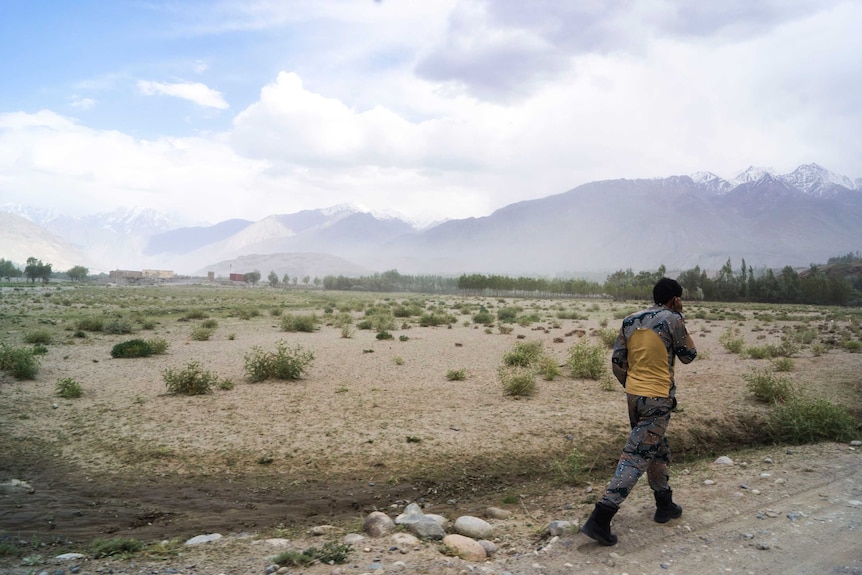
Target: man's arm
(620, 359)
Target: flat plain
(375, 423)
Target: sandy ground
(376, 424)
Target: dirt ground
(377, 424)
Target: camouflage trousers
(646, 449)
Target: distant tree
(35, 269)
(316, 281)
(78, 273)
(252, 277)
(273, 279)
(8, 270)
(285, 281)
(305, 280)
(294, 279)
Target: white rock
(204, 539)
(709, 482)
(378, 524)
(724, 460)
(69, 556)
(465, 547)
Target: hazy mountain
(21, 239)
(768, 219)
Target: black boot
(598, 526)
(665, 508)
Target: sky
(211, 110)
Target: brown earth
(376, 424)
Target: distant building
(237, 277)
(158, 274)
(125, 275)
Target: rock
(856, 443)
(465, 547)
(426, 528)
(556, 528)
(497, 513)
(204, 539)
(709, 482)
(319, 530)
(489, 546)
(378, 524)
(353, 539)
(474, 527)
(277, 542)
(405, 540)
(723, 460)
(69, 556)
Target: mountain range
(768, 219)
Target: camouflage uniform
(650, 391)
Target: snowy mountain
(768, 219)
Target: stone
(556, 528)
(204, 539)
(473, 527)
(724, 460)
(497, 513)
(378, 524)
(465, 547)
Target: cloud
(82, 104)
(195, 92)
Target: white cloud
(195, 92)
(82, 104)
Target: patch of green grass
(587, 361)
(283, 364)
(68, 388)
(201, 333)
(731, 341)
(118, 546)
(769, 388)
(330, 553)
(608, 337)
(804, 420)
(158, 346)
(524, 354)
(21, 362)
(190, 380)
(456, 374)
(299, 323)
(41, 336)
(518, 381)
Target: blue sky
(451, 108)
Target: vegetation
(283, 364)
(132, 348)
(190, 380)
(587, 361)
(303, 323)
(329, 553)
(20, 362)
(68, 388)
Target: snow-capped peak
(752, 174)
(816, 180)
(711, 182)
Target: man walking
(643, 362)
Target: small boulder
(465, 547)
(378, 524)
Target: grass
(68, 388)
(283, 364)
(39, 336)
(802, 420)
(518, 381)
(587, 361)
(299, 323)
(21, 362)
(456, 374)
(769, 388)
(190, 380)
(329, 553)
(132, 348)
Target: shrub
(132, 348)
(508, 314)
(303, 323)
(194, 314)
(284, 364)
(435, 319)
(118, 326)
(209, 323)
(158, 346)
(782, 364)
(42, 336)
(804, 420)
(504, 329)
(247, 313)
(518, 381)
(768, 388)
(548, 368)
(21, 362)
(342, 319)
(761, 352)
(90, 324)
(39, 349)
(346, 331)
(100, 548)
(201, 333)
(384, 335)
(570, 468)
(608, 337)
(330, 553)
(731, 341)
(190, 380)
(524, 354)
(586, 360)
(68, 388)
(483, 316)
(456, 374)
